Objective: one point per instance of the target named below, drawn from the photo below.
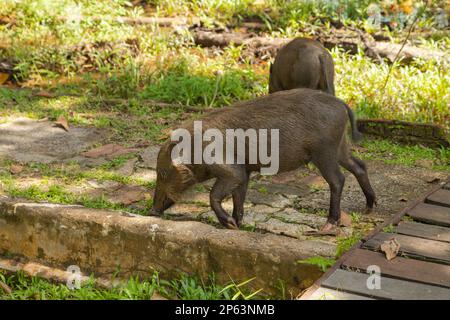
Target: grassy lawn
(184, 287)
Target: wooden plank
(330, 294)
(356, 283)
(432, 214)
(401, 268)
(394, 220)
(421, 230)
(440, 197)
(418, 248)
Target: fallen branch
(5, 288)
(159, 105)
(160, 21)
(265, 47)
(398, 54)
(111, 101)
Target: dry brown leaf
(62, 122)
(285, 177)
(44, 94)
(165, 133)
(390, 248)
(5, 288)
(3, 77)
(345, 220)
(433, 180)
(16, 168)
(314, 181)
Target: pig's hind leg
(228, 180)
(358, 168)
(328, 166)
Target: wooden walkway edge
(421, 270)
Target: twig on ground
(398, 54)
(5, 287)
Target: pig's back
(303, 109)
(306, 119)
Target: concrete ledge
(102, 242)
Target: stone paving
(25, 140)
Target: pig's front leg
(238, 200)
(227, 181)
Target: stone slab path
(26, 140)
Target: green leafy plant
(322, 262)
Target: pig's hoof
(368, 210)
(153, 213)
(370, 207)
(231, 224)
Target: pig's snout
(160, 203)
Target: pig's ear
(187, 176)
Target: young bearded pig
(312, 128)
(302, 63)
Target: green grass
(417, 92)
(323, 263)
(184, 287)
(285, 15)
(409, 155)
(345, 243)
(389, 229)
(57, 194)
(356, 217)
(165, 66)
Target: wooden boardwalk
(421, 269)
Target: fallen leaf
(16, 168)
(108, 150)
(44, 94)
(62, 122)
(390, 248)
(433, 180)
(346, 220)
(5, 288)
(314, 181)
(284, 177)
(165, 133)
(3, 78)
